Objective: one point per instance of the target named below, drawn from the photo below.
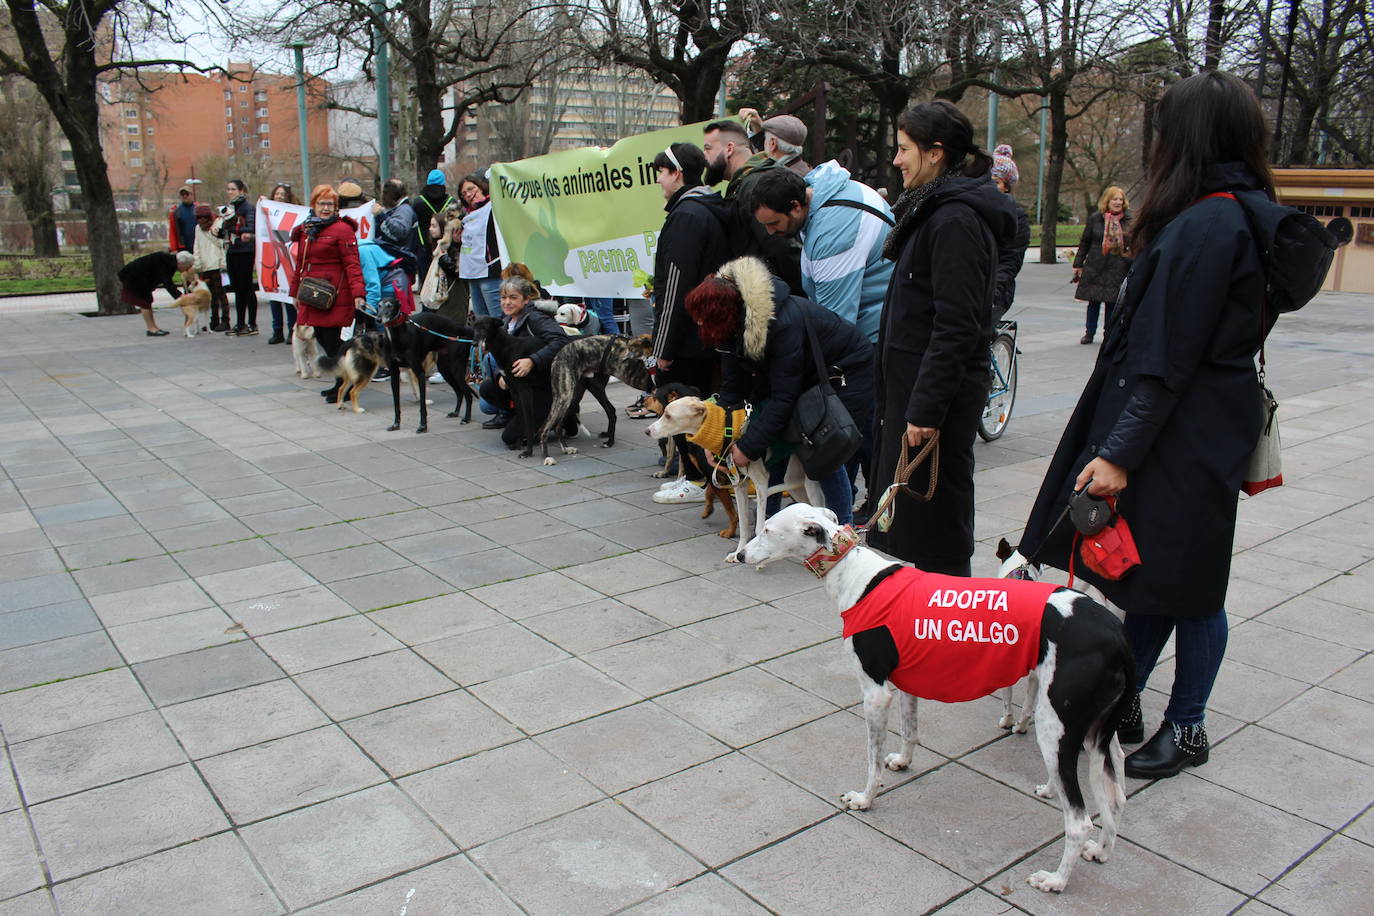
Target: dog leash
(886, 509)
(412, 323)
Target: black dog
(505, 349)
(587, 364)
(413, 338)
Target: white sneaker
(669, 484)
(683, 491)
(436, 379)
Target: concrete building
(565, 111)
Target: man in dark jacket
(141, 276)
(693, 244)
(396, 222)
(726, 145)
(181, 222)
(432, 200)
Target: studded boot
(1131, 728)
(1171, 749)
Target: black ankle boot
(1171, 749)
(1131, 728)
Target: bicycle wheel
(1002, 396)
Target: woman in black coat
(1172, 409)
(760, 331)
(932, 365)
(1103, 258)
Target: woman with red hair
(752, 319)
(325, 247)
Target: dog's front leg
(395, 399)
(877, 701)
(756, 472)
(902, 759)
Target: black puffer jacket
(771, 360)
(693, 243)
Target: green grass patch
(39, 285)
(1066, 235)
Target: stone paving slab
(260, 656)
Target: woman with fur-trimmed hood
(752, 319)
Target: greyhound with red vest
(914, 634)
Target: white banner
(276, 259)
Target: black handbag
(824, 433)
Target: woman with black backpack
(1172, 410)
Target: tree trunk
(35, 196)
(1216, 16)
(72, 96)
(1054, 174)
(429, 94)
(700, 88)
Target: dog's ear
(832, 516)
(816, 533)
(1003, 549)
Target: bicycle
(1002, 395)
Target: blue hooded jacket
(842, 247)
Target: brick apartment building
(161, 128)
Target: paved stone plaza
(262, 656)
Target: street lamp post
(299, 47)
(383, 58)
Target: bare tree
(26, 160)
(683, 44)
(485, 51)
(66, 48)
(1051, 46)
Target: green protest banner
(585, 220)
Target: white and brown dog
(914, 634)
(195, 307)
(688, 416)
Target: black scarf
(906, 209)
(313, 224)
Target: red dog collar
(826, 558)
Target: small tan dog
(195, 306)
(304, 350)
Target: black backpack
(1295, 249)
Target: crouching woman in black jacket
(521, 320)
(759, 328)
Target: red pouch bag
(1111, 553)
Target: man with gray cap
(782, 138)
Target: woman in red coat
(326, 247)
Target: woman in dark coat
(932, 366)
(325, 246)
(1103, 257)
(238, 231)
(760, 330)
(1172, 409)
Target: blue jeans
(1199, 645)
(486, 297)
(837, 490)
(605, 313)
(489, 371)
(277, 308)
(1093, 307)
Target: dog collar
(827, 558)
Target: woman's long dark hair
(1202, 121)
(941, 123)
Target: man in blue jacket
(842, 224)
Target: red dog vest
(957, 639)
